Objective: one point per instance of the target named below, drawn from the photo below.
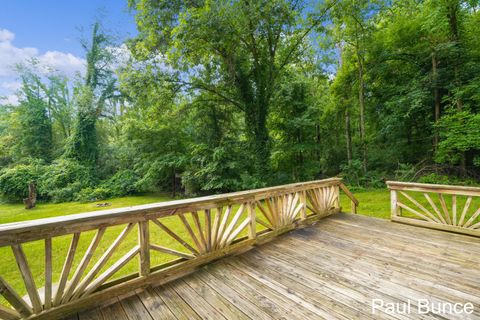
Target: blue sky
(50, 31)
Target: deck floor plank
(262, 295)
(134, 308)
(175, 303)
(245, 301)
(93, 314)
(331, 270)
(157, 308)
(418, 266)
(114, 312)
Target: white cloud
(10, 99)
(10, 55)
(11, 85)
(66, 63)
(6, 35)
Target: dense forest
(214, 96)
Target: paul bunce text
(422, 306)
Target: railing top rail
(438, 188)
(48, 227)
(349, 194)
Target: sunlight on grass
(16, 212)
(373, 203)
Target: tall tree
(247, 45)
(91, 97)
(35, 126)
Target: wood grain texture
(331, 270)
(437, 214)
(214, 234)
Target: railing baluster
(252, 214)
(144, 243)
(284, 208)
(439, 217)
(47, 304)
(14, 299)
(27, 278)
(8, 314)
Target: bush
(122, 183)
(68, 193)
(435, 178)
(14, 181)
(64, 178)
(93, 194)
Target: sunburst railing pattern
(88, 258)
(451, 208)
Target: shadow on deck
(331, 270)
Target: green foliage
(64, 178)
(436, 178)
(122, 183)
(459, 133)
(83, 142)
(93, 194)
(229, 95)
(14, 181)
(218, 169)
(34, 126)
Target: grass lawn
(373, 203)
(16, 212)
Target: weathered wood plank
(157, 308)
(8, 314)
(83, 264)
(134, 308)
(47, 303)
(14, 299)
(144, 250)
(114, 311)
(93, 314)
(66, 269)
(101, 262)
(27, 276)
(18, 232)
(175, 303)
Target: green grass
(17, 212)
(373, 203)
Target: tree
(34, 124)
(91, 97)
(237, 51)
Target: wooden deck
(331, 270)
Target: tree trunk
(348, 135)
(257, 134)
(361, 102)
(31, 201)
(436, 96)
(453, 9)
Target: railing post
(303, 199)
(144, 243)
(337, 197)
(393, 203)
(252, 229)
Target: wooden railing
(444, 207)
(171, 239)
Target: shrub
(93, 194)
(14, 181)
(121, 183)
(64, 178)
